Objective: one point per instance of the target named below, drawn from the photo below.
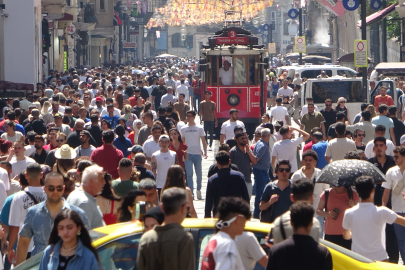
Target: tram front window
(239, 69)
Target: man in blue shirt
(39, 220)
(319, 147)
(110, 117)
(385, 120)
(261, 167)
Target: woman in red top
(178, 146)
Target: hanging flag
(157, 34)
(117, 19)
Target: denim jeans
(196, 160)
(261, 180)
(195, 104)
(209, 127)
(400, 232)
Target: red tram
(246, 92)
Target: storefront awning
(379, 15)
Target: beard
(37, 146)
(54, 200)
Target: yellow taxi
(117, 246)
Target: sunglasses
(52, 188)
(284, 170)
(361, 135)
(396, 157)
(223, 224)
(342, 102)
(329, 105)
(60, 140)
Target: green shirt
(122, 188)
(312, 121)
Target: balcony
(54, 8)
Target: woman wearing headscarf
(136, 127)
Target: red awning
(379, 15)
(66, 17)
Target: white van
(333, 88)
(312, 71)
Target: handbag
(397, 190)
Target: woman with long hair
(69, 245)
(45, 107)
(5, 147)
(107, 202)
(177, 178)
(121, 142)
(120, 100)
(66, 90)
(147, 108)
(128, 207)
(128, 116)
(372, 110)
(105, 125)
(341, 107)
(65, 161)
(109, 93)
(121, 121)
(178, 146)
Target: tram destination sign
(231, 39)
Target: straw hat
(65, 152)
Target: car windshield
(351, 90)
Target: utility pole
(384, 35)
(300, 32)
(120, 49)
(364, 37)
(270, 40)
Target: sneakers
(199, 197)
(209, 148)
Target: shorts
(191, 92)
(268, 94)
(274, 93)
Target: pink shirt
(340, 201)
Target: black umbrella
(345, 172)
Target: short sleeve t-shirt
(192, 137)
(285, 92)
(221, 252)
(228, 127)
(375, 218)
(18, 135)
(122, 188)
(19, 165)
(392, 177)
(207, 109)
(385, 121)
(226, 76)
(341, 202)
(287, 149)
(337, 148)
(249, 249)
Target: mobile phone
(270, 241)
(337, 211)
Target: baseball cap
(80, 102)
(100, 99)
(136, 149)
(402, 140)
(57, 115)
(164, 137)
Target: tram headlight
(233, 100)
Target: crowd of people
(90, 145)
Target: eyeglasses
(330, 105)
(52, 188)
(361, 135)
(223, 224)
(284, 170)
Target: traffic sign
(272, 48)
(264, 36)
(350, 4)
(293, 13)
(360, 53)
(266, 27)
(375, 4)
(300, 44)
(129, 45)
(259, 30)
(71, 29)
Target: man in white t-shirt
(192, 135)
(393, 176)
(22, 200)
(369, 240)
(285, 91)
(304, 109)
(162, 160)
(221, 251)
(287, 147)
(19, 162)
(379, 132)
(151, 145)
(250, 251)
(168, 97)
(279, 113)
(228, 127)
(226, 74)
